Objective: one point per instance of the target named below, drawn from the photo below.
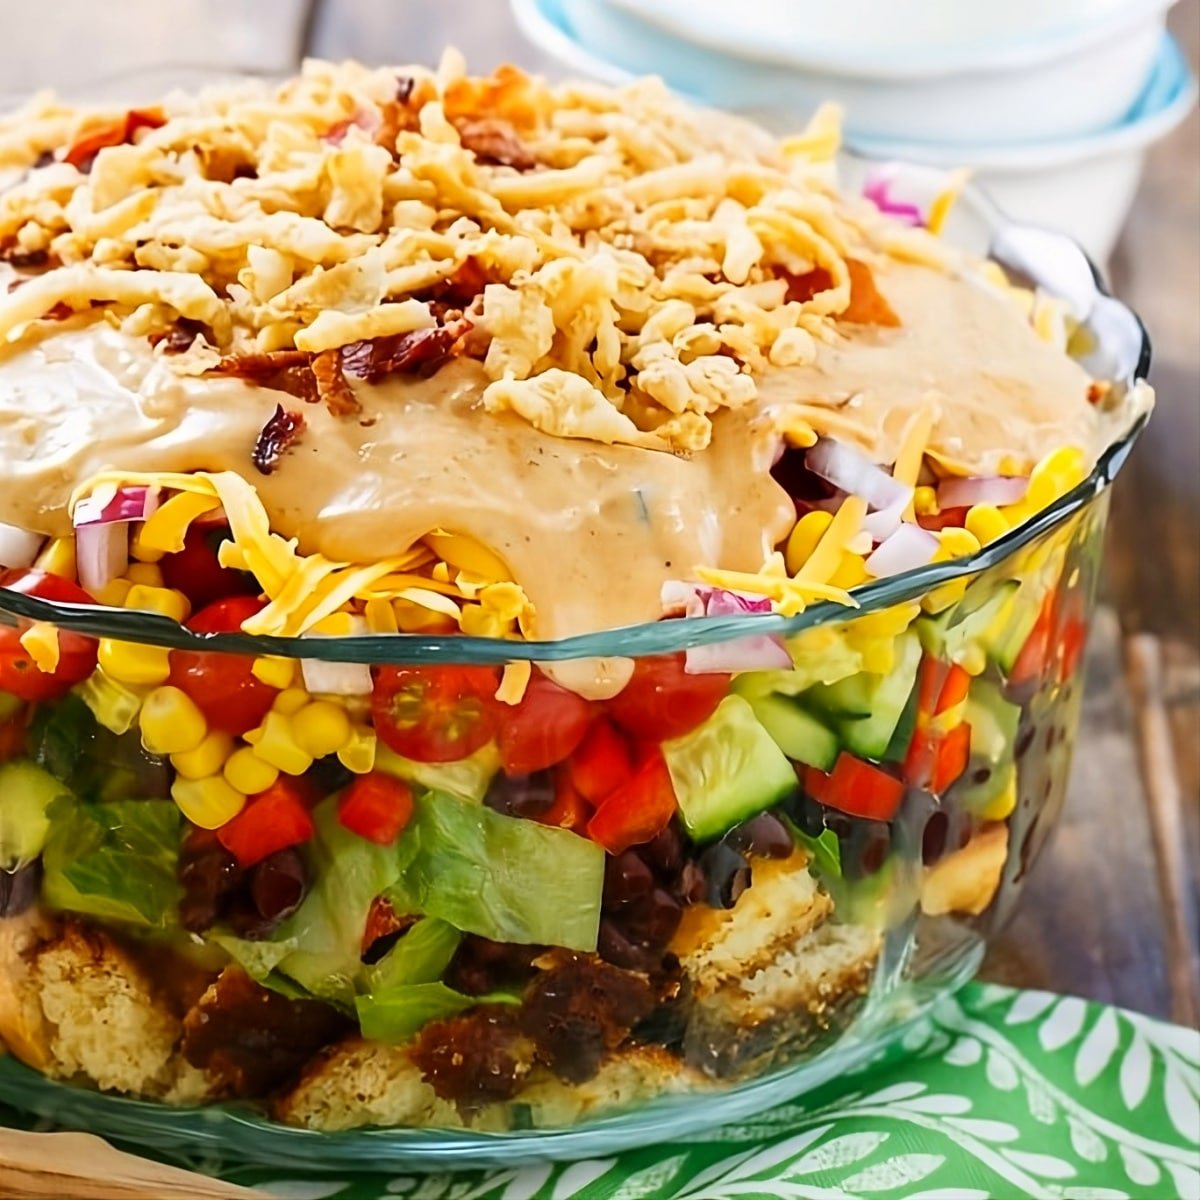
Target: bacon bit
(384, 924)
(282, 370)
(331, 384)
(1098, 391)
(180, 336)
(404, 88)
(24, 259)
(402, 353)
(496, 142)
(867, 304)
(278, 435)
(458, 292)
(83, 150)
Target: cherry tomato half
(223, 686)
(196, 573)
(544, 728)
(662, 701)
(435, 714)
(19, 674)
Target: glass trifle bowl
(411, 753)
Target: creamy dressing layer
(590, 531)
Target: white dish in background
(1045, 88)
(893, 37)
(1083, 186)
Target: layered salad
(474, 365)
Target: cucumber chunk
(727, 770)
(866, 710)
(993, 721)
(797, 732)
(26, 792)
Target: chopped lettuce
(468, 778)
(94, 762)
(398, 1013)
(501, 877)
(420, 956)
(824, 852)
(115, 860)
(474, 870)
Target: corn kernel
(290, 701)
(207, 759)
(925, 501)
(114, 705)
(888, 622)
(163, 600)
(113, 593)
(139, 551)
(804, 537)
(958, 543)
(58, 558)
(358, 754)
(274, 672)
(275, 743)
(986, 523)
(146, 574)
(879, 656)
(1002, 805)
(248, 773)
(851, 571)
(208, 803)
(127, 662)
(321, 728)
(170, 722)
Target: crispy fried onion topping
(645, 249)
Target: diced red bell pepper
(569, 810)
(602, 763)
(945, 519)
(1034, 655)
(376, 807)
(637, 811)
(857, 788)
(954, 690)
(271, 821)
(12, 739)
(1072, 641)
(951, 757)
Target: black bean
(19, 889)
(626, 878)
(765, 835)
(521, 795)
(665, 852)
(933, 840)
(278, 884)
(728, 875)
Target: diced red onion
(101, 554)
(18, 547)
(764, 652)
(907, 548)
(721, 602)
(853, 472)
(993, 489)
(336, 679)
(129, 504)
(878, 189)
(881, 524)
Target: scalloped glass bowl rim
(628, 641)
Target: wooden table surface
(1111, 910)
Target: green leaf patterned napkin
(997, 1094)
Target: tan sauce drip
(591, 532)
